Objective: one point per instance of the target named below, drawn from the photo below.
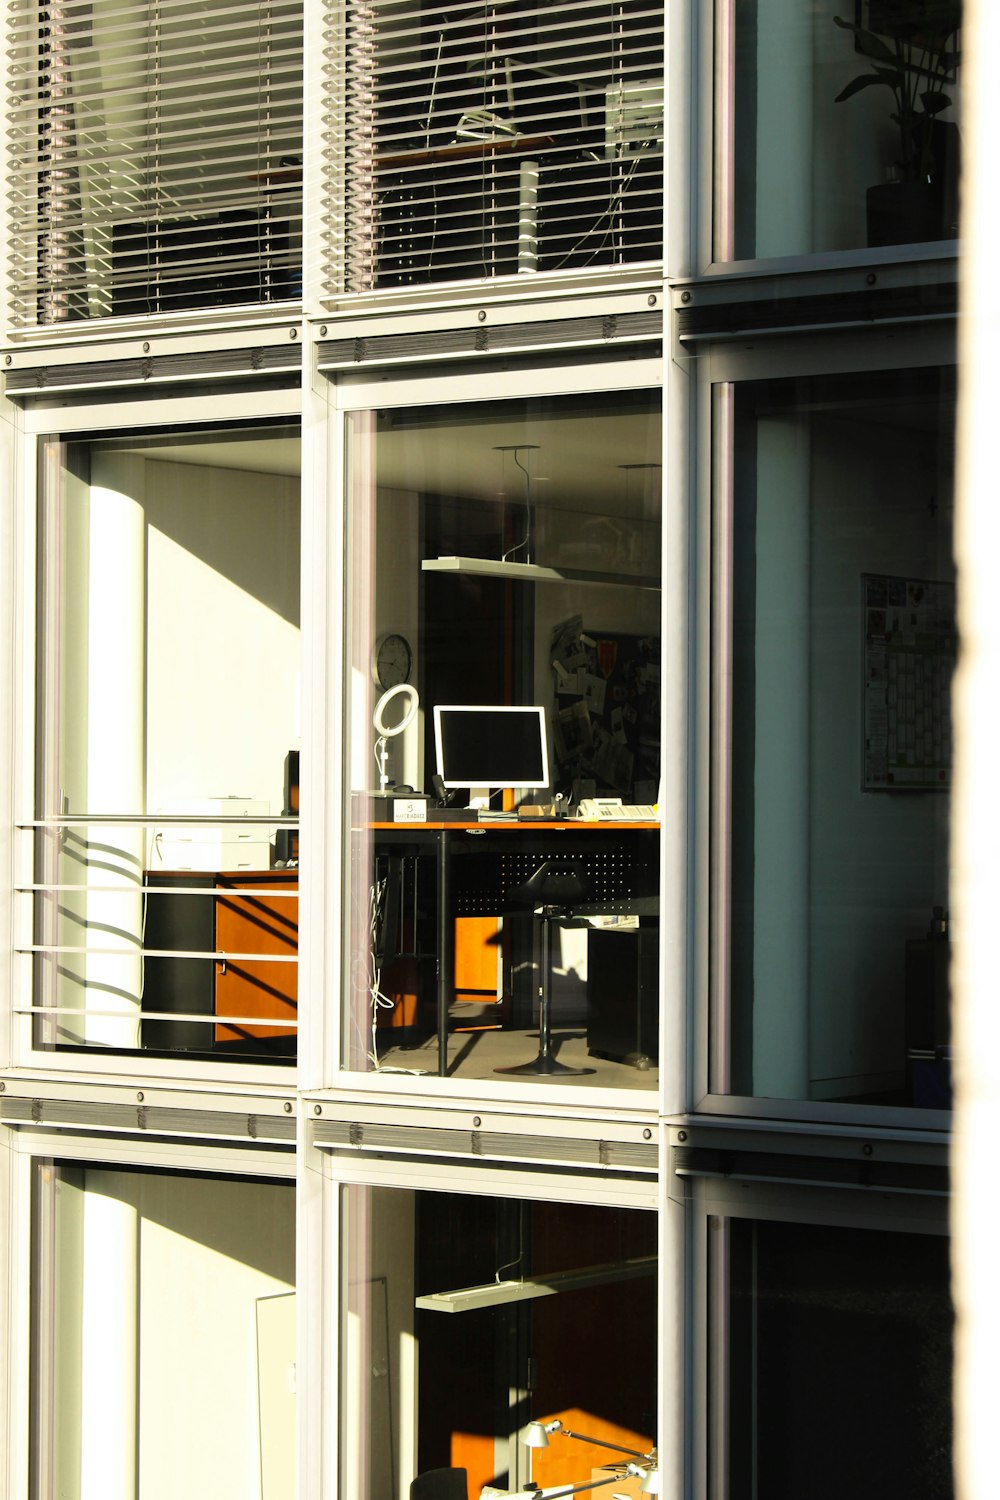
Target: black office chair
(440, 1484)
(552, 893)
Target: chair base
(546, 1067)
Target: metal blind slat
(479, 142)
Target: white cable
(379, 1000)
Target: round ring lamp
(385, 731)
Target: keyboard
(618, 812)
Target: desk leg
(446, 952)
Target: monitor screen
(491, 746)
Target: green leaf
(934, 101)
(864, 82)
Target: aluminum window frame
(341, 1171)
(714, 161)
(38, 421)
(26, 1149)
(712, 1206)
(330, 261)
(590, 374)
(720, 368)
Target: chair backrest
(556, 882)
(440, 1484)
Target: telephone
(613, 810)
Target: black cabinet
(183, 920)
(623, 1021)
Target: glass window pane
(834, 692)
(163, 1335)
(845, 126)
(167, 176)
(168, 721)
(467, 1319)
(505, 607)
(816, 1320)
(498, 141)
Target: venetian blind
(155, 155)
(487, 137)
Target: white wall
(397, 608)
(878, 861)
(222, 648)
(380, 1372)
(208, 1251)
(843, 878)
(155, 1333)
(172, 616)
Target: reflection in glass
(833, 700)
(505, 557)
(163, 1335)
(817, 1319)
(468, 1318)
(168, 723)
(845, 126)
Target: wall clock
(392, 660)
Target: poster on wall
(910, 638)
(607, 719)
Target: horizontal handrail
(165, 820)
(139, 952)
(154, 1015)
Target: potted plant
(912, 48)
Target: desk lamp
(650, 1485)
(386, 732)
(536, 1435)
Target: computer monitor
(484, 747)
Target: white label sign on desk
(409, 809)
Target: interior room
(178, 150)
(169, 705)
(475, 1322)
(808, 1310)
(843, 643)
(189, 1281)
(506, 564)
(509, 139)
(847, 127)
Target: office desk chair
(552, 893)
(440, 1484)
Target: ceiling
(575, 462)
(604, 463)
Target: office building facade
(478, 649)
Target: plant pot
(903, 213)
